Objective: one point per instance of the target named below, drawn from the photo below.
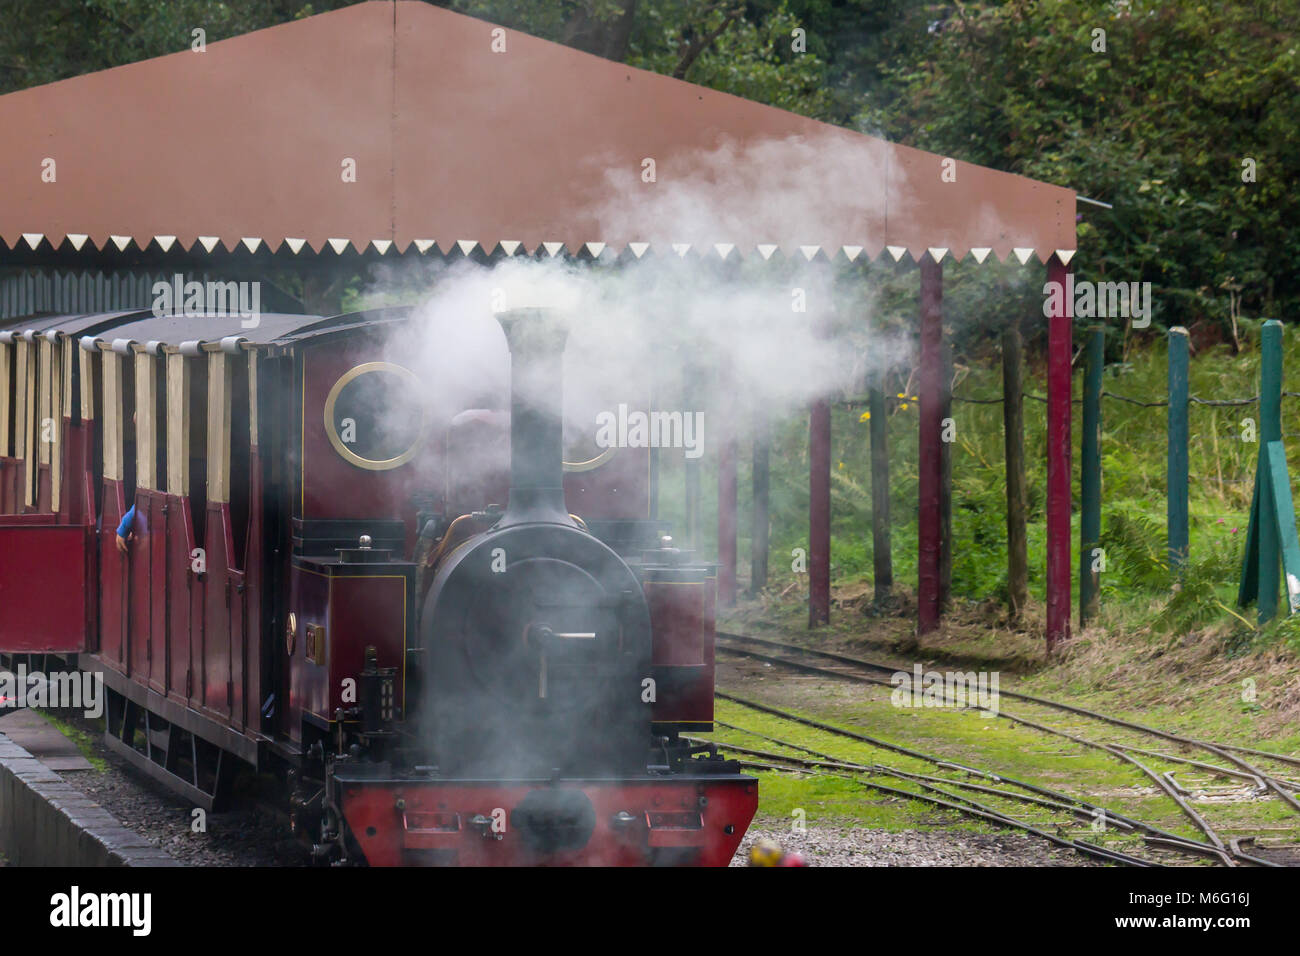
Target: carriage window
(44, 392)
(6, 397)
(92, 385)
(374, 416)
(240, 455)
(20, 404)
(159, 366)
(72, 381)
(59, 383)
(149, 417)
(27, 448)
(126, 391)
(198, 450)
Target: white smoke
(705, 333)
(780, 340)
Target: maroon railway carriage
(323, 582)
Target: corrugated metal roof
(44, 290)
(463, 138)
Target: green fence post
(1284, 514)
(1090, 478)
(1270, 429)
(1259, 570)
(1176, 483)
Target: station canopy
(391, 125)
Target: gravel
(253, 836)
(246, 835)
(859, 846)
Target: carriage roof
(124, 330)
(142, 330)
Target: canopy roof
(463, 135)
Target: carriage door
(45, 566)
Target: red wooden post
(930, 393)
(819, 514)
(1059, 348)
(727, 519)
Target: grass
(1168, 650)
(1134, 444)
(84, 741)
(988, 743)
(1138, 587)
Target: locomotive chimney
(536, 338)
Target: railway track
(1231, 766)
(1055, 810)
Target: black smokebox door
(537, 635)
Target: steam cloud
(712, 335)
(722, 336)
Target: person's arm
(124, 532)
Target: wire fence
(1164, 403)
(1272, 501)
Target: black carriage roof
(145, 328)
(31, 326)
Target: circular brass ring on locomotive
(347, 453)
(591, 463)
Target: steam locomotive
(319, 580)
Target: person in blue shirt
(125, 530)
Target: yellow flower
(864, 417)
(903, 406)
(841, 466)
(901, 395)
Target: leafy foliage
(1159, 124)
(47, 40)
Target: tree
(47, 40)
(1157, 115)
